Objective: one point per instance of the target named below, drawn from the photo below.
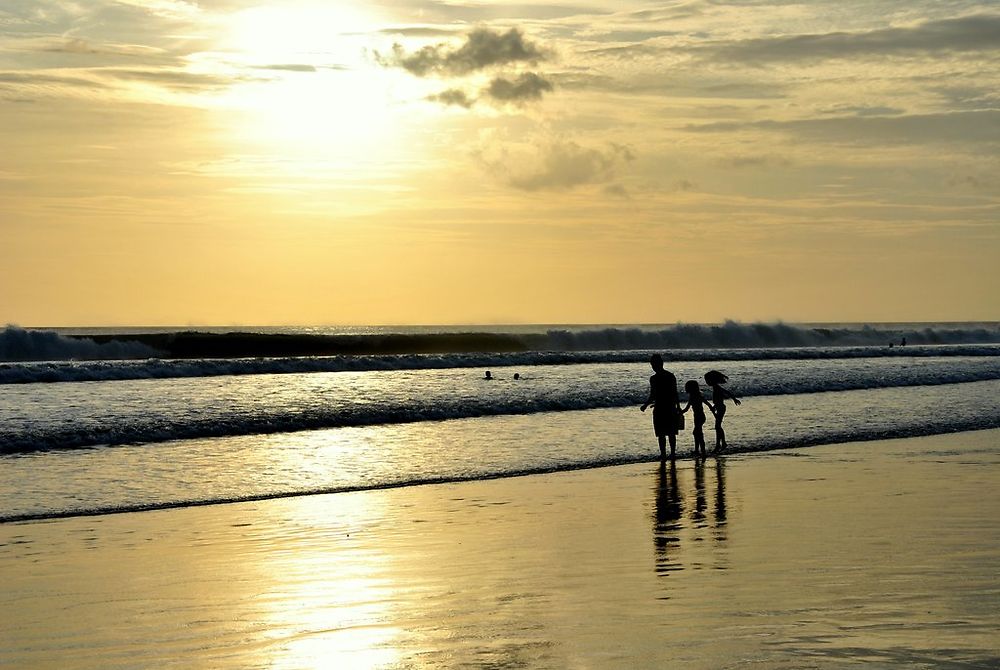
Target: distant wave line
(19, 344)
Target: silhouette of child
(666, 406)
(697, 403)
(716, 379)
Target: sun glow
(303, 33)
(313, 89)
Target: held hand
(737, 401)
(643, 408)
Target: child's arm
(732, 395)
(686, 407)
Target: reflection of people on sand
(669, 508)
(716, 379)
(666, 405)
(488, 375)
(720, 498)
(669, 524)
(697, 403)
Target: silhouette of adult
(666, 404)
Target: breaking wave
(21, 344)
(18, 344)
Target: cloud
(41, 78)
(483, 48)
(176, 79)
(287, 67)
(453, 96)
(454, 12)
(418, 31)
(560, 165)
(617, 190)
(970, 33)
(526, 87)
(978, 126)
(862, 110)
(165, 8)
(758, 160)
(77, 45)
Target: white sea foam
(37, 417)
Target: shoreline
(834, 554)
(823, 441)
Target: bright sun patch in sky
(313, 88)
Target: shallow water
(183, 471)
(877, 555)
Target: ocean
(105, 420)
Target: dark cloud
(970, 33)
(483, 48)
(979, 127)
(526, 87)
(565, 165)
(453, 96)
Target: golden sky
(421, 161)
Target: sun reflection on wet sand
(324, 595)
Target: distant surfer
(666, 406)
(517, 376)
(488, 376)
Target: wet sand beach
(875, 554)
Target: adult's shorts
(665, 421)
